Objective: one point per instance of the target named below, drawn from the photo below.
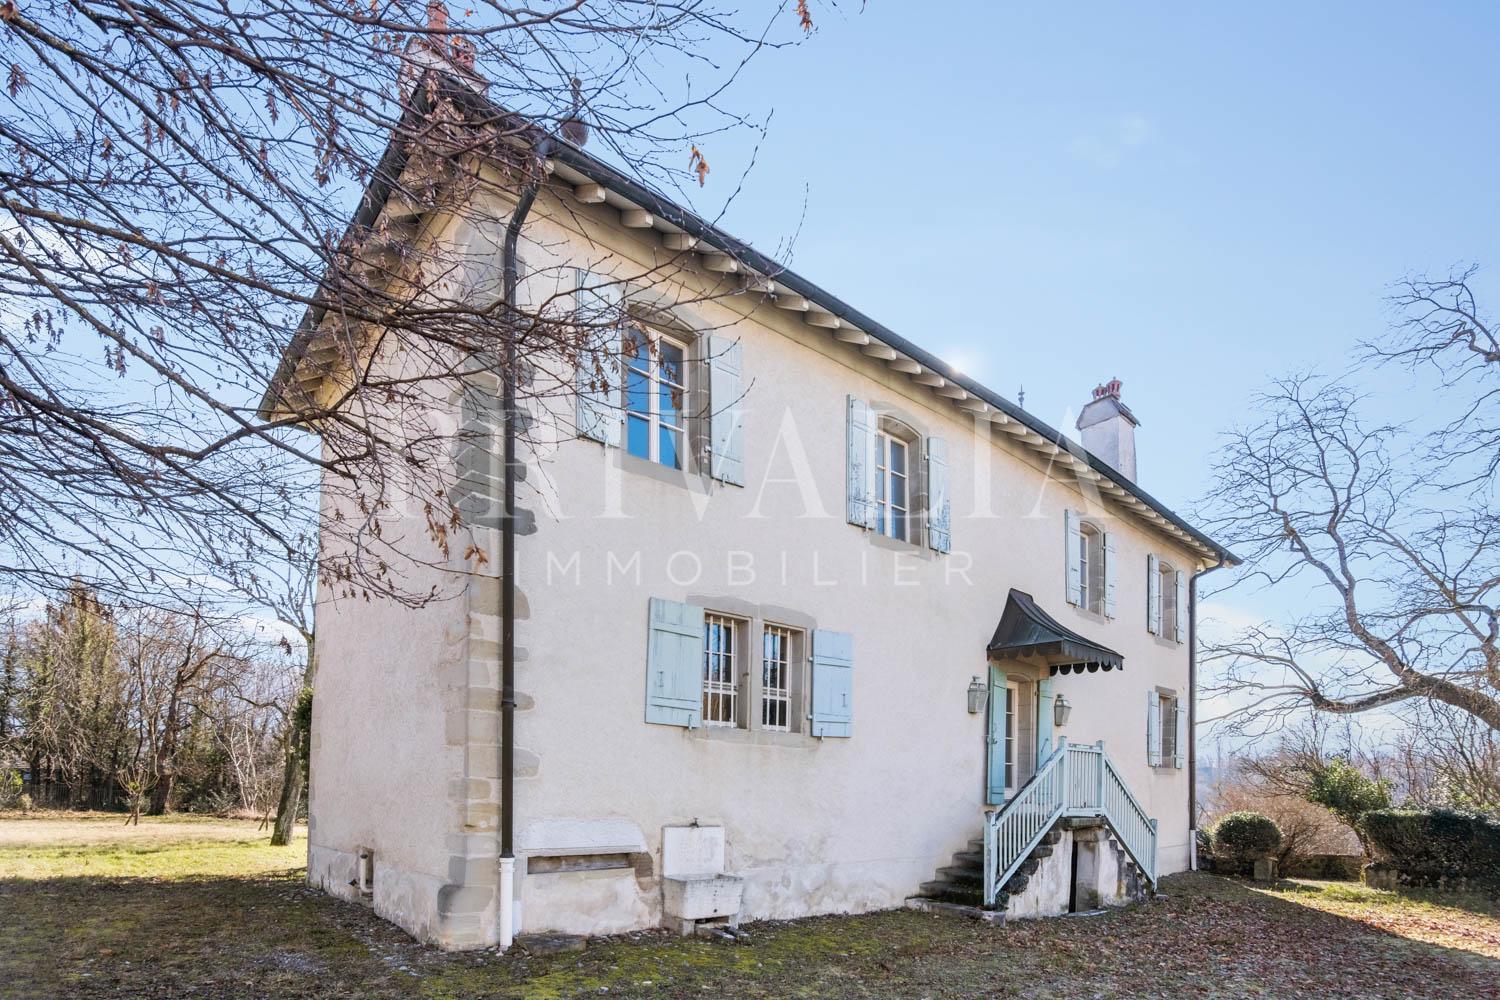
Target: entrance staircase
(962, 882)
(1074, 785)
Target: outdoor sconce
(979, 693)
(1060, 711)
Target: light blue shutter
(726, 387)
(674, 664)
(1153, 729)
(1073, 547)
(994, 769)
(1153, 596)
(859, 469)
(599, 387)
(1179, 627)
(1109, 573)
(1044, 700)
(832, 683)
(939, 506)
(1179, 759)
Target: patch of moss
(190, 909)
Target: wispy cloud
(1107, 146)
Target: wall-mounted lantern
(979, 693)
(1060, 711)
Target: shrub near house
(1242, 838)
(1432, 847)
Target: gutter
(511, 270)
(1192, 727)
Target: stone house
(804, 622)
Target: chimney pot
(1108, 428)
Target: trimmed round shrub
(1242, 837)
(1431, 846)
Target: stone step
(956, 909)
(975, 858)
(1044, 851)
(961, 875)
(947, 892)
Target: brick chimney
(1108, 428)
(437, 49)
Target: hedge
(1435, 845)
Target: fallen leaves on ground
(154, 915)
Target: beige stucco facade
(406, 712)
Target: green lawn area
(204, 908)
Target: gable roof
(595, 181)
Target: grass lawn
(203, 908)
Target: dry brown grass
(205, 908)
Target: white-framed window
(1169, 708)
(1167, 735)
(1166, 586)
(1091, 567)
(1012, 713)
(893, 493)
(655, 396)
(1166, 600)
(778, 665)
(721, 670)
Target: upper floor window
(897, 480)
(655, 394)
(1090, 569)
(1168, 578)
(1166, 600)
(643, 404)
(892, 484)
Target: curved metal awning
(1027, 630)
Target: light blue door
(1000, 713)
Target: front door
(1000, 738)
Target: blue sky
(1192, 198)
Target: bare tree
(1400, 576)
(1442, 328)
(176, 659)
(1448, 758)
(284, 588)
(176, 198)
(149, 707)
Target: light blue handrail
(1075, 781)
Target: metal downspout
(1192, 726)
(511, 271)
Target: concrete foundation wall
(1097, 876)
